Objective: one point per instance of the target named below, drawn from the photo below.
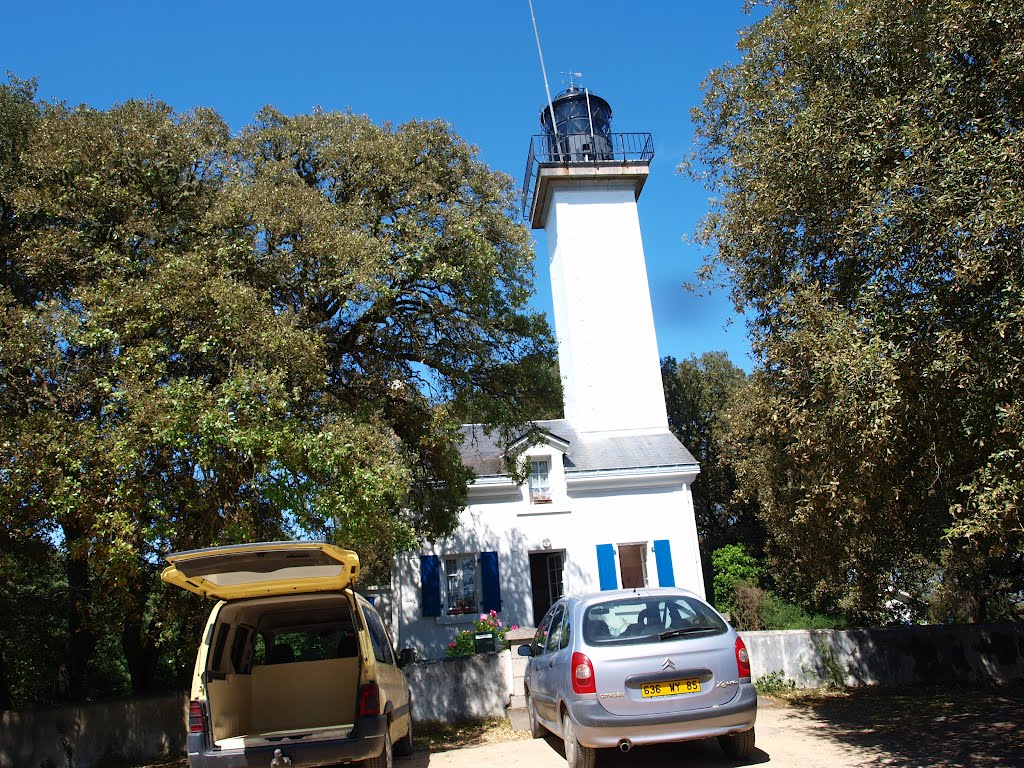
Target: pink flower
(451, 645)
(493, 612)
(515, 626)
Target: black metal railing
(582, 149)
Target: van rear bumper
(366, 741)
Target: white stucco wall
(660, 507)
(607, 349)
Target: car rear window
(639, 619)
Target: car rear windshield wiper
(684, 631)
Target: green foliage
(732, 564)
(755, 609)
(31, 635)
(464, 643)
(699, 393)
(865, 159)
(778, 613)
(774, 683)
(207, 339)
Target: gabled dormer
(541, 455)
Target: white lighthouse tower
(585, 188)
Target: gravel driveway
(873, 727)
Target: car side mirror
(526, 650)
(406, 657)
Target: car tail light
(742, 660)
(582, 674)
(195, 717)
(369, 700)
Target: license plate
(671, 688)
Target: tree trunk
(5, 689)
(81, 639)
(138, 640)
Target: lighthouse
(606, 502)
(582, 186)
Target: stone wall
(961, 653)
(461, 689)
(77, 737)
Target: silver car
(628, 667)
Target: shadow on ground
(934, 727)
(693, 754)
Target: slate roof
(483, 454)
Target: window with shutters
(633, 565)
(461, 584)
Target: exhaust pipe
(625, 745)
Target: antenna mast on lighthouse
(543, 71)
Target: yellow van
(294, 667)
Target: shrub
(777, 613)
(732, 563)
(748, 607)
(464, 643)
(774, 683)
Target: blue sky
(472, 63)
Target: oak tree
(210, 338)
(868, 217)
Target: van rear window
(649, 619)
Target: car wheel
(385, 759)
(404, 746)
(576, 755)
(537, 730)
(738, 746)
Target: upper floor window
(540, 483)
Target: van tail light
(582, 674)
(742, 660)
(196, 721)
(369, 700)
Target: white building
(608, 501)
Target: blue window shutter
(606, 567)
(663, 554)
(430, 585)
(490, 586)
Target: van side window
(259, 650)
(378, 637)
(240, 658)
(555, 630)
(218, 646)
(542, 632)
(566, 633)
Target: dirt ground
(915, 728)
(889, 727)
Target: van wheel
(738, 746)
(385, 759)
(576, 755)
(404, 746)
